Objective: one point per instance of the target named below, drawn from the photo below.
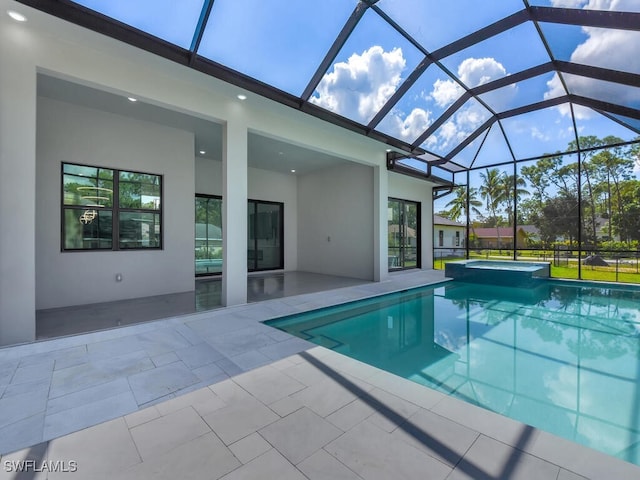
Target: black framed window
(265, 235)
(110, 209)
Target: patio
(219, 394)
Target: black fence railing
(587, 264)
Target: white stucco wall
(58, 48)
(69, 133)
(17, 184)
(417, 190)
(336, 222)
(448, 236)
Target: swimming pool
(563, 357)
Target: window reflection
(208, 233)
(265, 232)
(93, 196)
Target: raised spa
(498, 272)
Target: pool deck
(218, 394)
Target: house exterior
(502, 237)
(448, 237)
(67, 108)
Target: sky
(282, 42)
(368, 74)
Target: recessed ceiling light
(18, 17)
(293, 171)
(202, 152)
(242, 97)
(388, 150)
(132, 99)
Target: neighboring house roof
(215, 232)
(504, 232)
(410, 232)
(493, 232)
(438, 220)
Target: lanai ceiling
(459, 83)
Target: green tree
(492, 192)
(559, 219)
(458, 206)
(613, 165)
(627, 220)
(588, 174)
(512, 191)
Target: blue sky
(281, 42)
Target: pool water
(561, 357)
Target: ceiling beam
(486, 125)
(492, 30)
(587, 18)
(599, 73)
(455, 106)
(200, 28)
(399, 93)
(532, 107)
(606, 106)
(511, 79)
(333, 52)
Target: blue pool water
(563, 357)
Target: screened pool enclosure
(525, 113)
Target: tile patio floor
(220, 395)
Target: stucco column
(234, 213)
(380, 223)
(17, 186)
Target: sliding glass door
(404, 234)
(265, 236)
(208, 235)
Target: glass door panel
(265, 235)
(208, 232)
(251, 236)
(403, 234)
(410, 238)
(268, 236)
(394, 233)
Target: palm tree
(458, 206)
(508, 196)
(493, 194)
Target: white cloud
(408, 127)
(568, 3)
(359, 87)
(606, 48)
(445, 92)
(537, 134)
(613, 5)
(478, 71)
(472, 72)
